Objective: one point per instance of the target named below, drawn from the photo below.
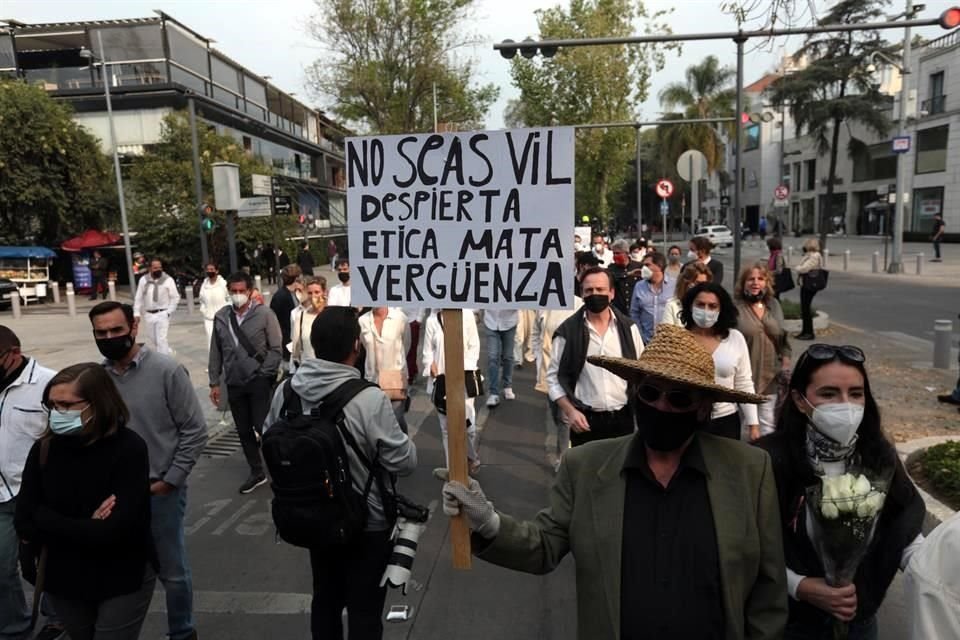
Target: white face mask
(239, 299)
(704, 318)
(598, 248)
(839, 421)
(636, 256)
(692, 254)
(646, 273)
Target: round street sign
(782, 192)
(664, 188)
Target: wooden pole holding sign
(456, 428)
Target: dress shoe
(804, 336)
(948, 398)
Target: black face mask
(665, 431)
(156, 274)
(115, 348)
(596, 303)
(749, 297)
(343, 277)
(211, 274)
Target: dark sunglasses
(680, 399)
(847, 353)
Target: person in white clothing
(602, 251)
(213, 297)
(691, 275)
(385, 335)
(23, 419)
(709, 312)
(932, 584)
(558, 431)
(156, 300)
(415, 319)
(434, 366)
(500, 329)
(339, 295)
(302, 317)
(522, 341)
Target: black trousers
(806, 313)
(726, 426)
(349, 576)
(249, 405)
(605, 424)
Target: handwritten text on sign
(462, 220)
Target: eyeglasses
(680, 399)
(847, 353)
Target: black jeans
(936, 249)
(349, 576)
(605, 424)
(249, 405)
(806, 313)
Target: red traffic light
(950, 19)
(302, 219)
(744, 118)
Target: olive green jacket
(585, 517)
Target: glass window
(59, 78)
(225, 97)
(878, 162)
(188, 80)
(751, 136)
(7, 59)
(143, 42)
(811, 168)
(187, 50)
(932, 149)
(225, 74)
(254, 90)
(926, 203)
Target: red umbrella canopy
(89, 239)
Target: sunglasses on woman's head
(680, 399)
(847, 353)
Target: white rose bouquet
(843, 512)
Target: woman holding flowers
(834, 469)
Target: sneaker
(508, 394)
(51, 632)
(493, 400)
(935, 260)
(252, 483)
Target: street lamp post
(896, 257)
(86, 53)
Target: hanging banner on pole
(462, 220)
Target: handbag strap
(243, 339)
(38, 588)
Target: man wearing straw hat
(675, 532)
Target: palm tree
(707, 93)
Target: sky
(271, 38)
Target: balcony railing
(934, 105)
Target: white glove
(484, 520)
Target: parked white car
(718, 234)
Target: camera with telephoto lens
(411, 522)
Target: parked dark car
(7, 288)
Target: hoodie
(368, 416)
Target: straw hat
(675, 355)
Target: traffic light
(950, 19)
(207, 223)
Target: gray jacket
(229, 361)
(368, 416)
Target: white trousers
(472, 454)
(208, 327)
(523, 338)
(153, 330)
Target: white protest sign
(462, 220)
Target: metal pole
(231, 241)
(896, 258)
(434, 107)
(639, 188)
(783, 169)
(116, 168)
(738, 163)
(694, 195)
(197, 181)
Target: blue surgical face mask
(64, 423)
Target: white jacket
(433, 344)
(213, 297)
(156, 294)
(387, 349)
(22, 420)
(932, 584)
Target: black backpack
(315, 503)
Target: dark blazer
(585, 517)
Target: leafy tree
(591, 85)
(54, 179)
(707, 93)
(385, 56)
(836, 90)
(162, 208)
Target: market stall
(28, 268)
(81, 250)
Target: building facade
(157, 65)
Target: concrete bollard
(71, 302)
(258, 283)
(266, 297)
(876, 262)
(112, 290)
(789, 255)
(920, 264)
(15, 304)
(826, 258)
(55, 287)
(942, 341)
(70, 288)
(189, 292)
(846, 260)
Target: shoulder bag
(815, 279)
(783, 281)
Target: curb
(821, 321)
(937, 512)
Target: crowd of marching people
(710, 482)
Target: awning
(26, 252)
(89, 239)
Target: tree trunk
(825, 217)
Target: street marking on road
(212, 509)
(246, 602)
(236, 516)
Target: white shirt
(599, 389)
(605, 258)
(167, 295)
(301, 322)
(671, 313)
(414, 314)
(501, 319)
(731, 362)
(213, 297)
(433, 344)
(932, 584)
(339, 296)
(22, 420)
(388, 348)
(544, 326)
